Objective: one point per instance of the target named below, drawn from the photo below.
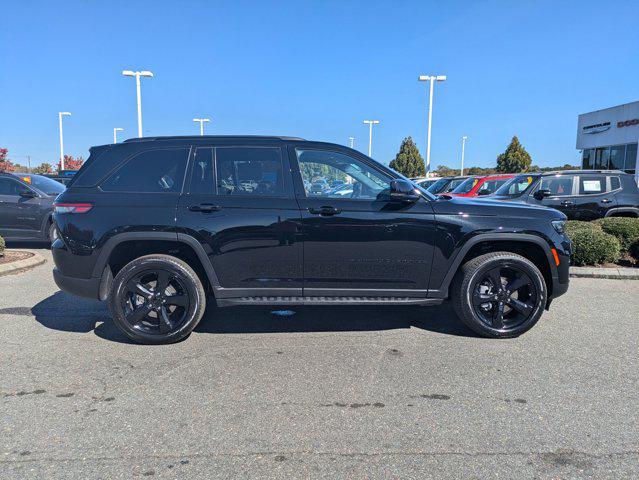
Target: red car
(479, 186)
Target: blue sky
(316, 70)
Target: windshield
(439, 185)
(44, 184)
(516, 186)
(466, 186)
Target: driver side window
(328, 174)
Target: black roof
(210, 137)
(578, 172)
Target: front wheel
(499, 295)
(157, 299)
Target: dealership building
(608, 138)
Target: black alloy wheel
(157, 299)
(499, 295)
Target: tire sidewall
(188, 278)
(505, 261)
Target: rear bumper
(83, 287)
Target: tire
(480, 295)
(52, 233)
(147, 313)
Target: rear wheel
(52, 233)
(499, 295)
(157, 299)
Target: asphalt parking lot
(323, 393)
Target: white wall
(614, 135)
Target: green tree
(408, 161)
(515, 159)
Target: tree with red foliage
(71, 163)
(6, 165)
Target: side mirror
(541, 194)
(403, 191)
(483, 192)
(28, 194)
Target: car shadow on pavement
(68, 313)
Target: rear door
(240, 206)
(594, 197)
(356, 242)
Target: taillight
(72, 207)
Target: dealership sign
(597, 128)
(628, 123)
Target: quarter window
(11, 187)
(330, 174)
(254, 171)
(152, 171)
(615, 183)
(558, 186)
(591, 185)
(202, 180)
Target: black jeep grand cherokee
(155, 225)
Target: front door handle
(567, 203)
(605, 200)
(205, 208)
(325, 211)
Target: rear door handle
(605, 200)
(325, 211)
(567, 203)
(205, 208)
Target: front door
(562, 194)
(20, 216)
(356, 241)
(239, 205)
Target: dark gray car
(26, 205)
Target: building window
(602, 158)
(617, 155)
(631, 158)
(588, 159)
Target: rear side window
(152, 171)
(592, 185)
(254, 171)
(615, 183)
(558, 186)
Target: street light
(137, 75)
(351, 141)
(115, 134)
(370, 135)
(60, 115)
(201, 121)
(432, 79)
(464, 138)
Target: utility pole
(464, 138)
(60, 115)
(201, 121)
(432, 79)
(370, 135)
(137, 75)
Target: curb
(620, 273)
(20, 265)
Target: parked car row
(580, 194)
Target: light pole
(464, 138)
(201, 122)
(115, 134)
(370, 135)
(432, 79)
(60, 115)
(351, 141)
(137, 75)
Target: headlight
(559, 226)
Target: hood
(488, 207)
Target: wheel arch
(124, 247)
(623, 212)
(532, 247)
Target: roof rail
(206, 137)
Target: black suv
(26, 206)
(156, 225)
(580, 194)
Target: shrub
(574, 226)
(626, 229)
(592, 246)
(1, 246)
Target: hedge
(1, 246)
(574, 226)
(592, 246)
(626, 230)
